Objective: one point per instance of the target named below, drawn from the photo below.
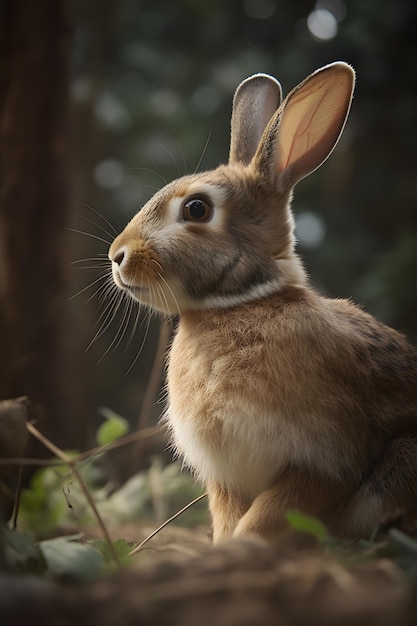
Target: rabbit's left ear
(254, 103)
(307, 127)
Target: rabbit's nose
(117, 256)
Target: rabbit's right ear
(306, 128)
(254, 103)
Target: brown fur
(278, 398)
(340, 378)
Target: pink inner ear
(312, 121)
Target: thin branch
(48, 444)
(168, 521)
(118, 443)
(84, 456)
(151, 391)
(72, 464)
(28, 461)
(17, 495)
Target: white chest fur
(231, 419)
(236, 449)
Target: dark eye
(197, 210)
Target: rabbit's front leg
(295, 489)
(227, 507)
(265, 517)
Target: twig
(29, 461)
(48, 444)
(168, 521)
(17, 494)
(71, 461)
(118, 443)
(151, 390)
(84, 456)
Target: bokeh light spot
(310, 229)
(108, 174)
(322, 24)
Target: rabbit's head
(223, 237)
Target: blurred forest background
(102, 100)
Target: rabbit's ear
(254, 103)
(307, 127)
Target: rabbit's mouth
(134, 290)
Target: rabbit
(278, 398)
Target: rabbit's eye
(197, 210)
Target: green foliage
(308, 525)
(63, 558)
(20, 554)
(398, 547)
(42, 505)
(112, 428)
(121, 547)
(405, 553)
(68, 560)
(54, 498)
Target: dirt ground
(181, 579)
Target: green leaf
(308, 525)
(121, 547)
(404, 543)
(112, 428)
(406, 553)
(71, 561)
(20, 553)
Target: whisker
(83, 232)
(110, 313)
(161, 176)
(120, 329)
(157, 263)
(170, 291)
(103, 230)
(92, 267)
(91, 258)
(137, 317)
(102, 217)
(109, 294)
(124, 324)
(145, 336)
(104, 289)
(180, 150)
(154, 172)
(102, 277)
(203, 153)
(172, 158)
(162, 297)
(151, 187)
(134, 325)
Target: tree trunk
(35, 336)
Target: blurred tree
(35, 334)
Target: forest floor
(181, 579)
(178, 577)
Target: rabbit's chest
(227, 423)
(235, 449)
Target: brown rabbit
(278, 398)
